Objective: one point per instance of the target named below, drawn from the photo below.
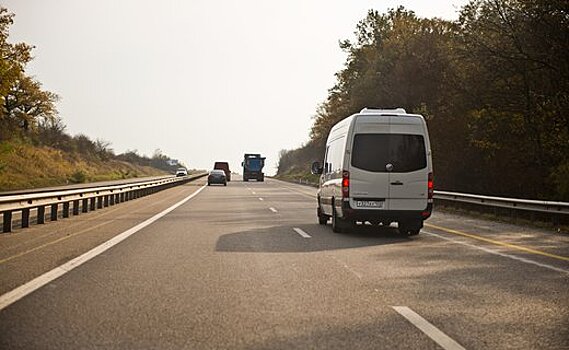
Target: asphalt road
(247, 267)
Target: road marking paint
(273, 210)
(301, 232)
(504, 244)
(253, 192)
(261, 199)
(18, 293)
(524, 260)
(426, 327)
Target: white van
(377, 168)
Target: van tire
(409, 233)
(406, 230)
(322, 219)
(339, 225)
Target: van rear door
(369, 155)
(408, 153)
(389, 163)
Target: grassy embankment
(24, 166)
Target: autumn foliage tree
(28, 113)
(24, 103)
(494, 86)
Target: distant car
(181, 172)
(225, 167)
(217, 176)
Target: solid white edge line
(273, 209)
(301, 232)
(426, 327)
(490, 251)
(18, 293)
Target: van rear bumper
(348, 213)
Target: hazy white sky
(200, 80)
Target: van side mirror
(316, 168)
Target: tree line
(28, 113)
(493, 85)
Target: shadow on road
(283, 239)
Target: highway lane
(246, 266)
(27, 253)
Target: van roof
(383, 111)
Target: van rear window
(372, 152)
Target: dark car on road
(217, 176)
(225, 167)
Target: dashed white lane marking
(253, 192)
(273, 210)
(261, 199)
(301, 232)
(431, 331)
(524, 260)
(18, 293)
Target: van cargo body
(377, 168)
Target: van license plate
(369, 204)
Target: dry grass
(24, 166)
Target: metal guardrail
(528, 205)
(81, 186)
(75, 201)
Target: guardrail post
(85, 205)
(66, 209)
(111, 199)
(7, 226)
(105, 201)
(76, 207)
(93, 203)
(25, 217)
(41, 215)
(53, 211)
(100, 202)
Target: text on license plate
(369, 204)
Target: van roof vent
(383, 111)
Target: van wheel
(322, 219)
(408, 231)
(339, 225)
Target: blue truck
(253, 167)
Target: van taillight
(345, 184)
(430, 187)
